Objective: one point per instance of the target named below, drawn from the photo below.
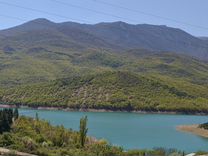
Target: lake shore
(98, 110)
(194, 129)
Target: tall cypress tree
(1, 123)
(5, 121)
(83, 130)
(16, 114)
(6, 116)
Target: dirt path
(7, 151)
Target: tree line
(7, 117)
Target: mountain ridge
(115, 36)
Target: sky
(189, 15)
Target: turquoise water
(132, 130)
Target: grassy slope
(133, 80)
(21, 68)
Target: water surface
(132, 130)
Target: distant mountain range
(117, 36)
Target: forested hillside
(101, 80)
(47, 64)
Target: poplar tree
(16, 114)
(6, 116)
(83, 130)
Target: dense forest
(36, 136)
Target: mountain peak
(42, 21)
(36, 24)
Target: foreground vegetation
(40, 137)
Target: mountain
(42, 33)
(160, 38)
(203, 38)
(116, 36)
(114, 66)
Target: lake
(132, 130)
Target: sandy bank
(194, 129)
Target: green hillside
(43, 65)
(132, 80)
(112, 91)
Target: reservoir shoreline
(132, 130)
(100, 110)
(193, 129)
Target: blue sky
(191, 15)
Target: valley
(136, 82)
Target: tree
(16, 114)
(36, 116)
(6, 122)
(1, 125)
(83, 130)
(6, 116)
